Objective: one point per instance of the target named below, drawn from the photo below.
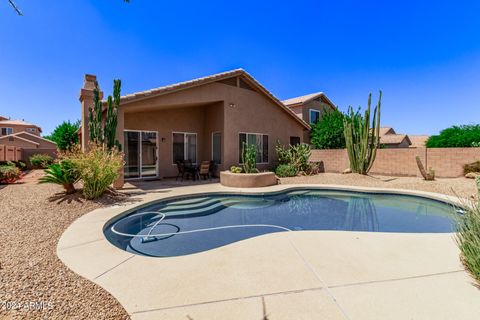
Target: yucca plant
(62, 173)
(361, 138)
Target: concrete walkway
(287, 275)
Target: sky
(423, 55)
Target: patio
(301, 275)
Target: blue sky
(424, 55)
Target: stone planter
(248, 180)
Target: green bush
(65, 135)
(235, 169)
(327, 133)
(296, 156)
(286, 170)
(9, 173)
(41, 160)
(63, 173)
(456, 137)
(471, 167)
(98, 169)
(468, 239)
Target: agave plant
(62, 173)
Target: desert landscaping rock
(33, 217)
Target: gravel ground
(461, 187)
(32, 219)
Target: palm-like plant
(62, 173)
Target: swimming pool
(198, 223)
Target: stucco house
(310, 108)
(8, 126)
(390, 139)
(202, 119)
(20, 139)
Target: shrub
(468, 238)
(235, 169)
(65, 135)
(471, 167)
(286, 170)
(296, 156)
(20, 165)
(41, 160)
(249, 158)
(456, 136)
(9, 173)
(327, 133)
(63, 173)
(98, 169)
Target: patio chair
(181, 171)
(205, 170)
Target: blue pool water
(194, 224)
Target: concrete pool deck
(287, 275)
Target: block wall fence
(447, 162)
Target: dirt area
(34, 283)
(461, 187)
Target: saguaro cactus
(362, 140)
(103, 131)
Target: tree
(456, 137)
(65, 135)
(327, 133)
(20, 13)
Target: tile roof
(205, 80)
(21, 138)
(393, 138)
(386, 130)
(418, 140)
(302, 99)
(17, 122)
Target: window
(314, 116)
(260, 140)
(294, 141)
(31, 130)
(6, 131)
(184, 147)
(217, 147)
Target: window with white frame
(184, 147)
(31, 130)
(314, 116)
(257, 139)
(217, 147)
(6, 131)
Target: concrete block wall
(447, 162)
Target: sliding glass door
(140, 154)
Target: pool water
(195, 224)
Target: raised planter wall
(247, 180)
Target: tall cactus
(103, 131)
(362, 140)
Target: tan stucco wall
(44, 144)
(19, 128)
(315, 105)
(19, 143)
(206, 109)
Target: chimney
(86, 101)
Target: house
(310, 108)
(20, 139)
(418, 141)
(390, 139)
(8, 126)
(207, 118)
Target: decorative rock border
(248, 180)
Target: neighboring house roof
(205, 80)
(18, 122)
(307, 98)
(386, 130)
(25, 133)
(418, 140)
(394, 139)
(15, 136)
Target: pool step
(197, 211)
